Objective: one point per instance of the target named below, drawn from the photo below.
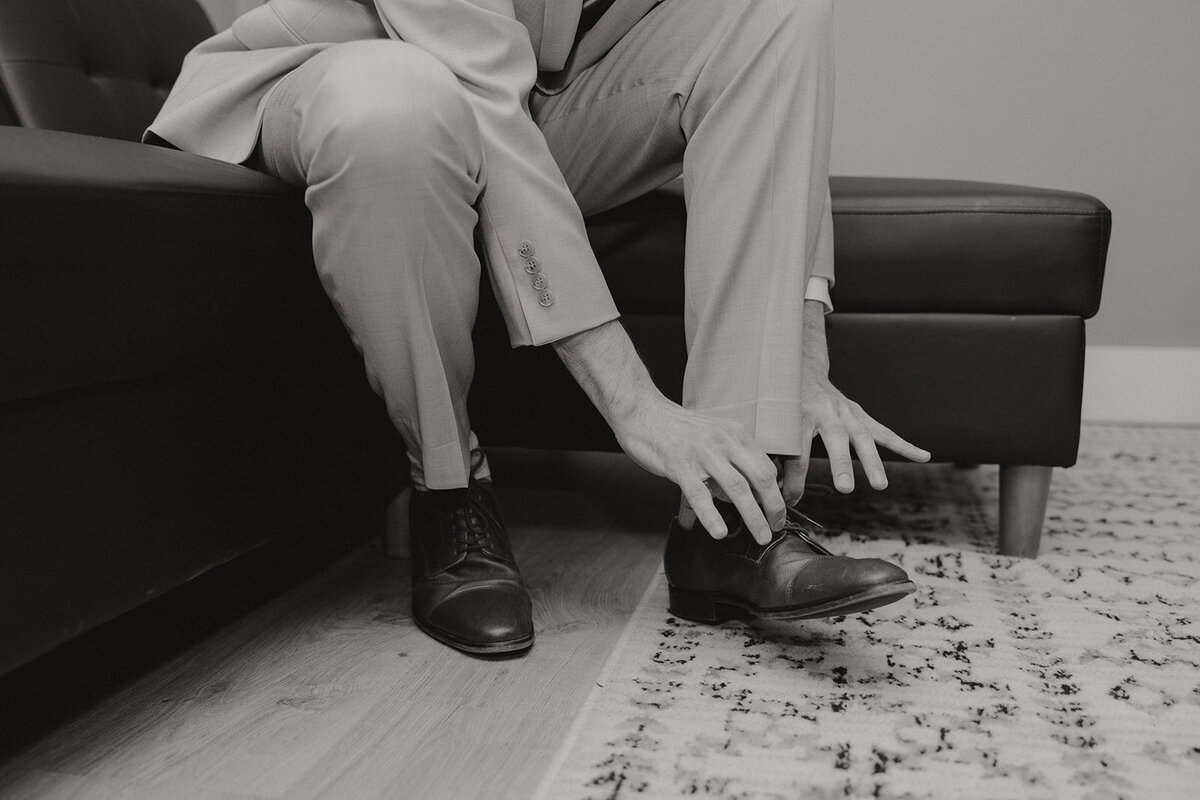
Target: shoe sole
(714, 608)
(478, 648)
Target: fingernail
(879, 482)
(720, 533)
(844, 483)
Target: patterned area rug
(1073, 675)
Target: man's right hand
(703, 455)
(706, 456)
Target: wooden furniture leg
(1023, 493)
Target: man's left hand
(840, 422)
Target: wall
(1101, 96)
(1097, 96)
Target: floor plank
(331, 691)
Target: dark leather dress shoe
(467, 592)
(791, 577)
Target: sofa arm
(123, 261)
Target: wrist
(814, 350)
(605, 364)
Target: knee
(788, 36)
(806, 24)
(395, 101)
(815, 13)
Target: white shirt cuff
(818, 289)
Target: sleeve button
(546, 299)
(538, 281)
(525, 249)
(532, 266)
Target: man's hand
(700, 454)
(706, 456)
(839, 421)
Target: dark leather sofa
(175, 390)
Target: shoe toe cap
(485, 615)
(840, 576)
(877, 572)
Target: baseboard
(1142, 384)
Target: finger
(795, 470)
(763, 476)
(837, 445)
(868, 456)
(740, 494)
(696, 495)
(889, 439)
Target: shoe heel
(699, 608)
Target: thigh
(370, 103)
(619, 129)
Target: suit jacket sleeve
(527, 213)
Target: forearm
(685, 446)
(605, 364)
(814, 351)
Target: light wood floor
(330, 691)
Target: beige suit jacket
(498, 49)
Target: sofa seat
(902, 245)
(125, 262)
(959, 318)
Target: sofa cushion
(102, 67)
(902, 245)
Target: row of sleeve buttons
(534, 270)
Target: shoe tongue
(443, 499)
(729, 513)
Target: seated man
(418, 126)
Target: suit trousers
(734, 96)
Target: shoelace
(795, 518)
(473, 524)
(471, 527)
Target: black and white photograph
(599, 399)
